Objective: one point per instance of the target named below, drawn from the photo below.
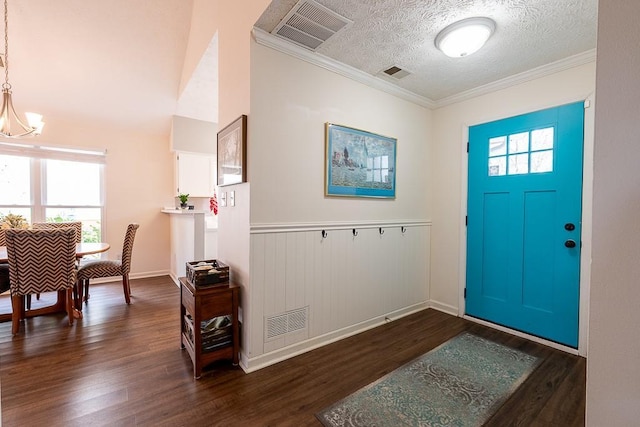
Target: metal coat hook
(403, 229)
(381, 231)
(324, 234)
(355, 232)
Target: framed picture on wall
(232, 152)
(359, 163)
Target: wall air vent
(309, 24)
(396, 72)
(281, 324)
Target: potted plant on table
(183, 200)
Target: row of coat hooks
(354, 231)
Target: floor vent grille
(309, 24)
(281, 324)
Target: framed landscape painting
(232, 152)
(359, 163)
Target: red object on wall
(213, 204)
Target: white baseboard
(445, 308)
(264, 360)
(175, 279)
(148, 274)
(143, 275)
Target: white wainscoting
(349, 283)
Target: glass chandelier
(10, 124)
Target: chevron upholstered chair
(108, 268)
(76, 225)
(4, 267)
(40, 261)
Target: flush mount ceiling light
(465, 37)
(8, 116)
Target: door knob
(570, 243)
(569, 226)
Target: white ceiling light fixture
(8, 114)
(465, 37)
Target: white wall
(448, 168)
(235, 21)
(196, 136)
(139, 181)
(290, 102)
(613, 372)
(349, 283)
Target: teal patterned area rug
(460, 383)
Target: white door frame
(586, 238)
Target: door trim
(587, 211)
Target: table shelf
(199, 305)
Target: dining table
(82, 249)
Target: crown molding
(535, 73)
(266, 39)
(269, 40)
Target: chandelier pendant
(10, 124)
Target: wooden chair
(40, 261)
(107, 268)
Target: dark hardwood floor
(122, 366)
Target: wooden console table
(198, 305)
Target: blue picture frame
(359, 163)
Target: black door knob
(569, 226)
(570, 243)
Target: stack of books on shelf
(216, 333)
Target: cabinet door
(195, 174)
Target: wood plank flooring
(122, 366)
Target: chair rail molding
(319, 226)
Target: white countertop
(183, 211)
(209, 223)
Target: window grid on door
(521, 153)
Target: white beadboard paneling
(253, 321)
(275, 290)
(339, 267)
(345, 280)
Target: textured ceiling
(119, 62)
(529, 33)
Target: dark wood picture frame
(232, 153)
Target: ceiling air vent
(310, 24)
(396, 72)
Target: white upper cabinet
(196, 174)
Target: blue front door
(523, 229)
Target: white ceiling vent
(309, 24)
(396, 72)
